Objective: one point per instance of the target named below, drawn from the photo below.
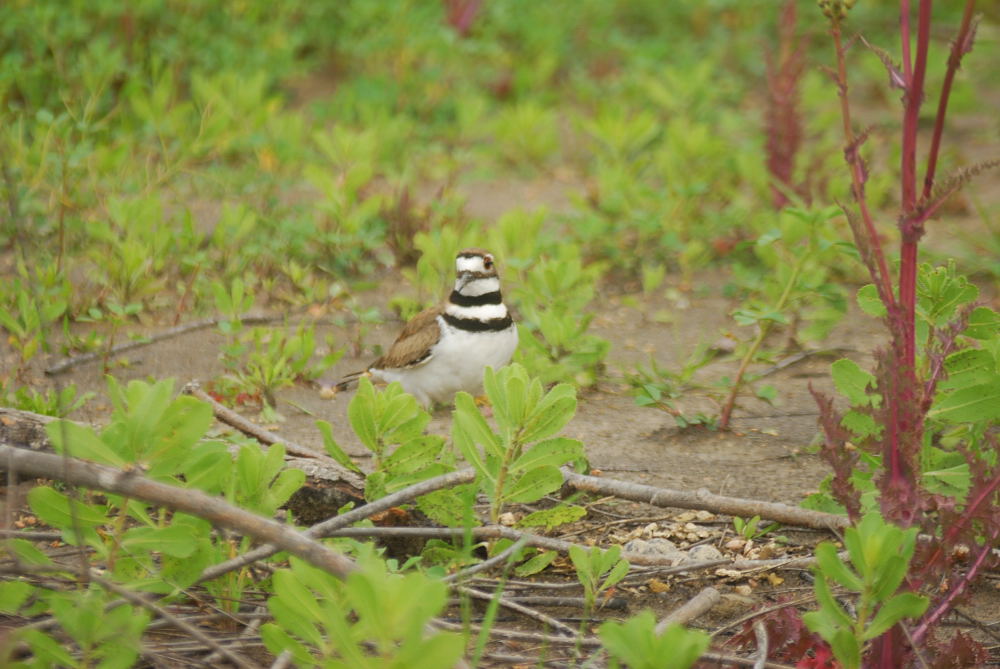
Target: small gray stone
(657, 546)
(705, 553)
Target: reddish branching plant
(782, 121)
(960, 537)
(461, 14)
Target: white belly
(456, 363)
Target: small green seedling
(879, 555)
(636, 644)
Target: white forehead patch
(470, 264)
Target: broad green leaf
(289, 587)
(361, 413)
(903, 605)
(953, 481)
(829, 607)
(554, 452)
(860, 424)
(536, 564)
(50, 652)
(27, 552)
(207, 467)
(833, 568)
(846, 648)
(291, 618)
(284, 486)
(683, 646)
(278, 640)
(472, 422)
(984, 323)
(467, 447)
(580, 558)
(444, 506)
(494, 390)
(515, 389)
(617, 573)
(890, 573)
(333, 449)
(13, 594)
(414, 455)
(147, 404)
(533, 485)
(59, 511)
(554, 411)
(185, 422)
(398, 482)
(554, 517)
(79, 441)
(869, 301)
(170, 540)
(852, 381)
(970, 404)
(969, 367)
(440, 650)
(396, 412)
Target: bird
(447, 347)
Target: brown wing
(415, 341)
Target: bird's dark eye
(488, 262)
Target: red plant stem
(880, 274)
(932, 618)
(954, 62)
(904, 33)
(984, 496)
(911, 229)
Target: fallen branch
(345, 519)
(261, 434)
(693, 608)
(69, 363)
(501, 532)
(213, 509)
(514, 606)
(704, 500)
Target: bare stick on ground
(705, 500)
(693, 608)
(69, 363)
(213, 509)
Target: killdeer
(445, 348)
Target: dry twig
(694, 607)
(213, 509)
(69, 363)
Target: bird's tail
(349, 380)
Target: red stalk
(880, 272)
(954, 62)
(911, 228)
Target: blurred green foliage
(152, 150)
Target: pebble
(704, 553)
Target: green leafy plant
(274, 358)
(879, 555)
(58, 403)
(635, 643)
(391, 419)
(555, 342)
(102, 635)
(657, 387)
(793, 285)
(373, 618)
(597, 570)
(751, 529)
(520, 461)
(27, 321)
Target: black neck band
(461, 300)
